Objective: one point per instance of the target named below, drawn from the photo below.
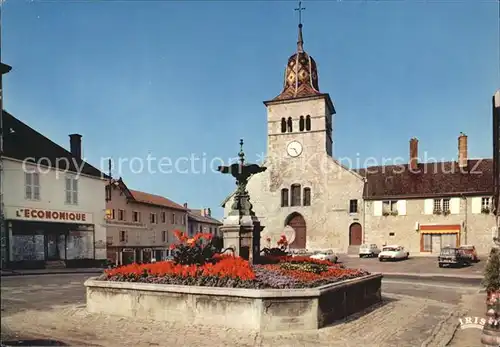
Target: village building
(319, 203)
(53, 201)
(140, 225)
(201, 221)
(426, 206)
(4, 250)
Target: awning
(438, 231)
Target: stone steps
(353, 250)
(55, 264)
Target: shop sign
(43, 215)
(100, 244)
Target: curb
(12, 274)
(474, 279)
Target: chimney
(75, 143)
(209, 212)
(462, 151)
(185, 205)
(413, 154)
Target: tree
(491, 279)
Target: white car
(325, 255)
(393, 252)
(368, 250)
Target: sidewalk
(7, 273)
(475, 306)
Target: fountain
(241, 228)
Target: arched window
(284, 197)
(283, 125)
(301, 123)
(307, 197)
(295, 195)
(308, 122)
(289, 125)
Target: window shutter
(27, 192)
(377, 208)
(27, 178)
(402, 207)
(428, 206)
(36, 179)
(455, 205)
(476, 205)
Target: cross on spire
(300, 41)
(300, 8)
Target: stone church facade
(304, 188)
(307, 194)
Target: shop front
(39, 238)
(435, 237)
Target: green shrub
(491, 280)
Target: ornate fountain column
(241, 228)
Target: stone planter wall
(251, 309)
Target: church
(320, 204)
(304, 187)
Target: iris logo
(476, 322)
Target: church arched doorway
(355, 234)
(298, 223)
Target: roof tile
(21, 142)
(431, 179)
(155, 200)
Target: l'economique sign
(44, 215)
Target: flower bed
(234, 272)
(197, 263)
(205, 286)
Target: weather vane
(300, 8)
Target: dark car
(470, 251)
(450, 256)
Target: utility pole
(496, 161)
(3, 232)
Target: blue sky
(172, 79)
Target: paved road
(417, 265)
(53, 305)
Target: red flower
(305, 276)
(283, 241)
(180, 235)
(172, 246)
(228, 266)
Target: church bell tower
(300, 118)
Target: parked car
(394, 252)
(325, 255)
(368, 250)
(450, 256)
(470, 251)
